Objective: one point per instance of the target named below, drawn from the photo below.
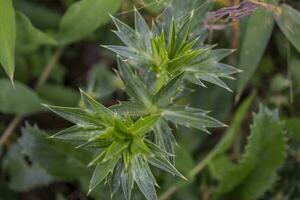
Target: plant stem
(49, 67)
(10, 128)
(41, 81)
(197, 169)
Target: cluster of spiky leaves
(153, 67)
(126, 151)
(174, 51)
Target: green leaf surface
(7, 37)
(127, 183)
(257, 35)
(84, 17)
(143, 177)
(264, 153)
(190, 117)
(100, 110)
(101, 171)
(22, 176)
(293, 128)
(134, 85)
(288, 19)
(58, 95)
(76, 115)
(59, 159)
(30, 38)
(164, 137)
(169, 91)
(144, 125)
(166, 165)
(77, 133)
(129, 108)
(19, 99)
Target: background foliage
(51, 48)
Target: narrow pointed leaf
(127, 183)
(142, 28)
(7, 37)
(144, 178)
(76, 115)
(77, 133)
(129, 108)
(254, 44)
(94, 106)
(101, 172)
(126, 34)
(164, 137)
(288, 20)
(165, 165)
(134, 86)
(169, 91)
(115, 150)
(190, 117)
(144, 125)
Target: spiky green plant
(154, 67)
(174, 51)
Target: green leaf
(264, 154)
(126, 34)
(257, 35)
(104, 113)
(134, 85)
(59, 95)
(143, 30)
(19, 99)
(138, 146)
(144, 125)
(115, 150)
(127, 183)
(76, 115)
(7, 37)
(190, 117)
(129, 108)
(158, 151)
(143, 177)
(169, 91)
(164, 164)
(22, 176)
(84, 17)
(220, 166)
(28, 37)
(78, 133)
(59, 159)
(101, 171)
(40, 15)
(288, 19)
(293, 127)
(164, 137)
